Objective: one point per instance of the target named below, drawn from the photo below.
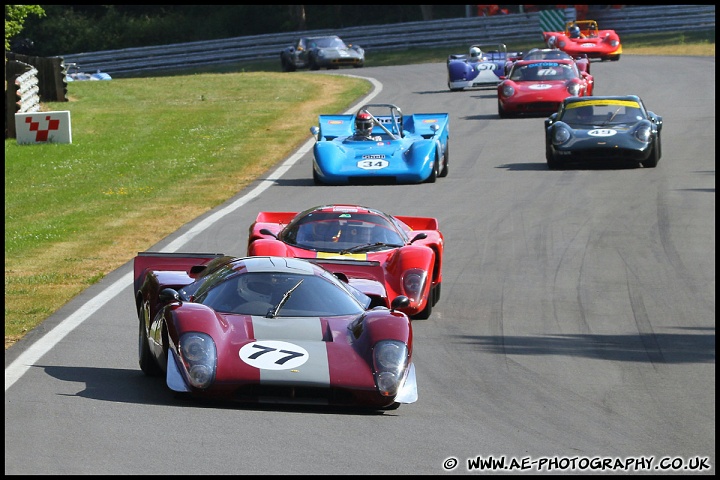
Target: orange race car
(583, 37)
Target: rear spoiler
(419, 223)
(275, 217)
(332, 126)
(191, 263)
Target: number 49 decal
(273, 355)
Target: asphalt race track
(576, 325)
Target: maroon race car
(382, 255)
(269, 330)
(538, 87)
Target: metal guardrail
(520, 27)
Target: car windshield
(542, 71)
(338, 231)
(546, 54)
(603, 114)
(326, 42)
(281, 294)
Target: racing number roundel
(273, 355)
(602, 132)
(373, 162)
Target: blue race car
(482, 67)
(378, 145)
(73, 74)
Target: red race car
(269, 330)
(538, 87)
(583, 37)
(582, 61)
(381, 255)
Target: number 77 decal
(273, 355)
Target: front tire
(434, 173)
(436, 293)
(446, 157)
(552, 162)
(501, 111)
(654, 157)
(425, 313)
(313, 64)
(287, 66)
(147, 363)
(316, 178)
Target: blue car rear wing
(332, 126)
(421, 123)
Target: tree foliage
(15, 16)
(69, 29)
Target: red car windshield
(543, 71)
(337, 231)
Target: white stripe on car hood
(305, 332)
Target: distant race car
(73, 74)
(539, 86)
(482, 67)
(269, 330)
(604, 129)
(382, 255)
(326, 51)
(380, 145)
(582, 61)
(583, 37)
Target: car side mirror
(169, 295)
(401, 301)
(265, 231)
(419, 236)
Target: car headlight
(614, 43)
(643, 133)
(560, 135)
(390, 364)
(199, 357)
(414, 283)
(507, 90)
(573, 89)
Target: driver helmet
(255, 287)
(364, 123)
(475, 52)
(574, 31)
